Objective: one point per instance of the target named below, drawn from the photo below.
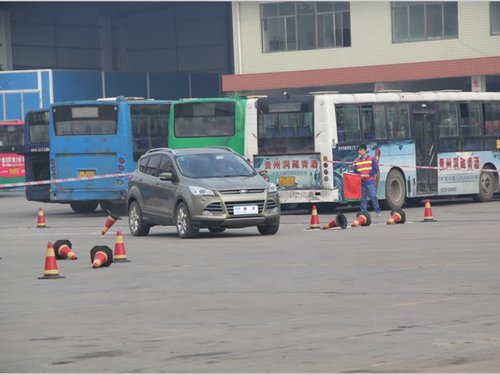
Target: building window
(292, 26)
(416, 21)
(495, 17)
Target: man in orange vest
(367, 167)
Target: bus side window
(348, 123)
(447, 120)
(492, 118)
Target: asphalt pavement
(412, 297)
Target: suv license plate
(246, 210)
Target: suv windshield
(214, 165)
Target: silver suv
(195, 188)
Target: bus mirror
(166, 176)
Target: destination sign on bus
(291, 171)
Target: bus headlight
(272, 188)
(199, 191)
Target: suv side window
(153, 165)
(142, 164)
(166, 164)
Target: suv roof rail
(160, 149)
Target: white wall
(371, 34)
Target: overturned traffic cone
(428, 212)
(362, 219)
(50, 271)
(397, 217)
(110, 220)
(314, 219)
(41, 219)
(339, 221)
(120, 254)
(63, 250)
(101, 256)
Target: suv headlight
(199, 191)
(272, 187)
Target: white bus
(428, 144)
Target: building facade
(359, 46)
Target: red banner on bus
(11, 165)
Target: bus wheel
(395, 190)
(183, 222)
(84, 208)
(486, 187)
(135, 222)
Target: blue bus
(95, 144)
(36, 154)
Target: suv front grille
(215, 208)
(241, 191)
(270, 204)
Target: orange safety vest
(365, 166)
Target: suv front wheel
(135, 221)
(269, 228)
(183, 222)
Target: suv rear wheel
(183, 222)
(135, 222)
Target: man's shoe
(378, 214)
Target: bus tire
(136, 223)
(83, 207)
(395, 190)
(183, 222)
(486, 186)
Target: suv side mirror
(166, 176)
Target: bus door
(424, 122)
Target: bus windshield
(11, 136)
(85, 119)
(205, 119)
(285, 125)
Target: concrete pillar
(478, 83)
(122, 48)
(5, 42)
(106, 43)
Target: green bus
(209, 122)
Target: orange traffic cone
(63, 250)
(120, 254)
(428, 212)
(41, 219)
(101, 256)
(362, 219)
(51, 271)
(397, 217)
(314, 219)
(339, 221)
(111, 219)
